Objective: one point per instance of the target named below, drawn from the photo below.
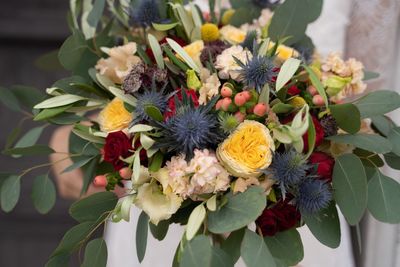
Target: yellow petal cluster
(284, 52)
(209, 32)
(114, 116)
(247, 150)
(232, 34)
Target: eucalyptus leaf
(370, 142)
(160, 230)
(370, 75)
(240, 210)
(350, 124)
(394, 138)
(73, 238)
(244, 15)
(30, 138)
(255, 252)
(95, 253)
(50, 112)
(196, 219)
(220, 258)
(154, 113)
(233, 243)
(93, 207)
(350, 187)
(9, 192)
(78, 163)
(286, 246)
(58, 101)
(72, 50)
(43, 194)
(286, 72)
(378, 103)
(383, 124)
(142, 229)
(325, 226)
(392, 160)
(197, 252)
(384, 198)
(29, 151)
(9, 99)
(89, 170)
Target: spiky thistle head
(288, 168)
(228, 122)
(313, 195)
(152, 97)
(258, 71)
(250, 40)
(144, 13)
(190, 128)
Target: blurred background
(31, 28)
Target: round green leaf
(10, 190)
(142, 228)
(220, 258)
(384, 198)
(350, 187)
(95, 253)
(392, 160)
(240, 210)
(160, 230)
(255, 252)
(383, 124)
(286, 246)
(350, 124)
(232, 244)
(93, 207)
(370, 142)
(394, 138)
(325, 226)
(153, 112)
(73, 238)
(197, 252)
(378, 103)
(43, 194)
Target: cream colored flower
(119, 63)
(232, 34)
(178, 179)
(335, 63)
(194, 51)
(210, 86)
(114, 116)
(226, 64)
(241, 184)
(157, 205)
(283, 52)
(247, 150)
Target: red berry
(240, 116)
(125, 173)
(260, 109)
(226, 92)
(100, 181)
(318, 100)
(225, 103)
(240, 99)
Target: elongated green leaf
(383, 124)
(317, 84)
(286, 246)
(370, 142)
(142, 229)
(392, 160)
(58, 101)
(96, 13)
(325, 226)
(50, 112)
(220, 258)
(255, 252)
(350, 124)
(384, 198)
(197, 253)
(164, 27)
(95, 253)
(124, 97)
(84, 133)
(233, 244)
(182, 53)
(8, 99)
(378, 103)
(29, 151)
(240, 210)
(394, 138)
(196, 219)
(61, 260)
(73, 238)
(30, 138)
(93, 207)
(311, 136)
(370, 75)
(160, 230)
(156, 48)
(79, 162)
(350, 187)
(9, 194)
(43, 194)
(286, 73)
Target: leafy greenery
(350, 124)
(255, 252)
(369, 142)
(378, 103)
(43, 194)
(10, 191)
(95, 253)
(160, 230)
(233, 243)
(197, 252)
(142, 228)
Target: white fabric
(328, 33)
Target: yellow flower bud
(297, 102)
(227, 16)
(209, 32)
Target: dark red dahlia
(118, 145)
(325, 165)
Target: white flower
(119, 63)
(210, 86)
(226, 64)
(178, 179)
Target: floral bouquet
(228, 123)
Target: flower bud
(240, 99)
(225, 103)
(226, 92)
(100, 181)
(125, 173)
(318, 100)
(260, 109)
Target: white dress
(328, 33)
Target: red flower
(117, 146)
(293, 90)
(280, 217)
(171, 101)
(319, 134)
(325, 165)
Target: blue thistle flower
(190, 128)
(288, 168)
(149, 98)
(250, 40)
(313, 196)
(258, 71)
(144, 13)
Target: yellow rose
(114, 116)
(232, 34)
(194, 51)
(247, 150)
(284, 52)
